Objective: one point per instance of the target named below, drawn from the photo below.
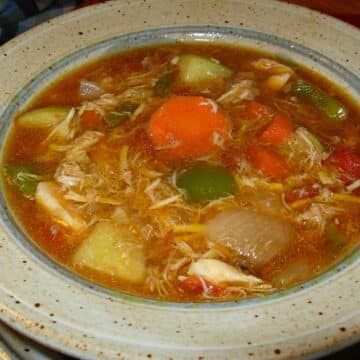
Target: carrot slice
(268, 162)
(279, 129)
(91, 120)
(256, 110)
(188, 126)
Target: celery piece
(322, 101)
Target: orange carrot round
(279, 129)
(188, 126)
(270, 163)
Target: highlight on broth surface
(188, 172)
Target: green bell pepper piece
(205, 182)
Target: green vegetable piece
(120, 115)
(335, 238)
(162, 86)
(43, 117)
(323, 102)
(194, 69)
(206, 182)
(23, 177)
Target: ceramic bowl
(58, 309)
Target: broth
(188, 172)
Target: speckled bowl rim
(349, 262)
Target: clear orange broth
(23, 144)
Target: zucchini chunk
(194, 69)
(43, 117)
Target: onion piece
(90, 90)
(293, 273)
(257, 237)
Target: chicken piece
(48, 196)
(243, 90)
(219, 272)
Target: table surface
(345, 10)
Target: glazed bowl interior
(95, 322)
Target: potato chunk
(113, 250)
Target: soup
(188, 172)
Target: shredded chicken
(318, 214)
(65, 130)
(244, 90)
(302, 152)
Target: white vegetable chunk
(113, 250)
(48, 196)
(257, 237)
(293, 273)
(219, 272)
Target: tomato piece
(270, 163)
(347, 162)
(304, 192)
(193, 285)
(91, 120)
